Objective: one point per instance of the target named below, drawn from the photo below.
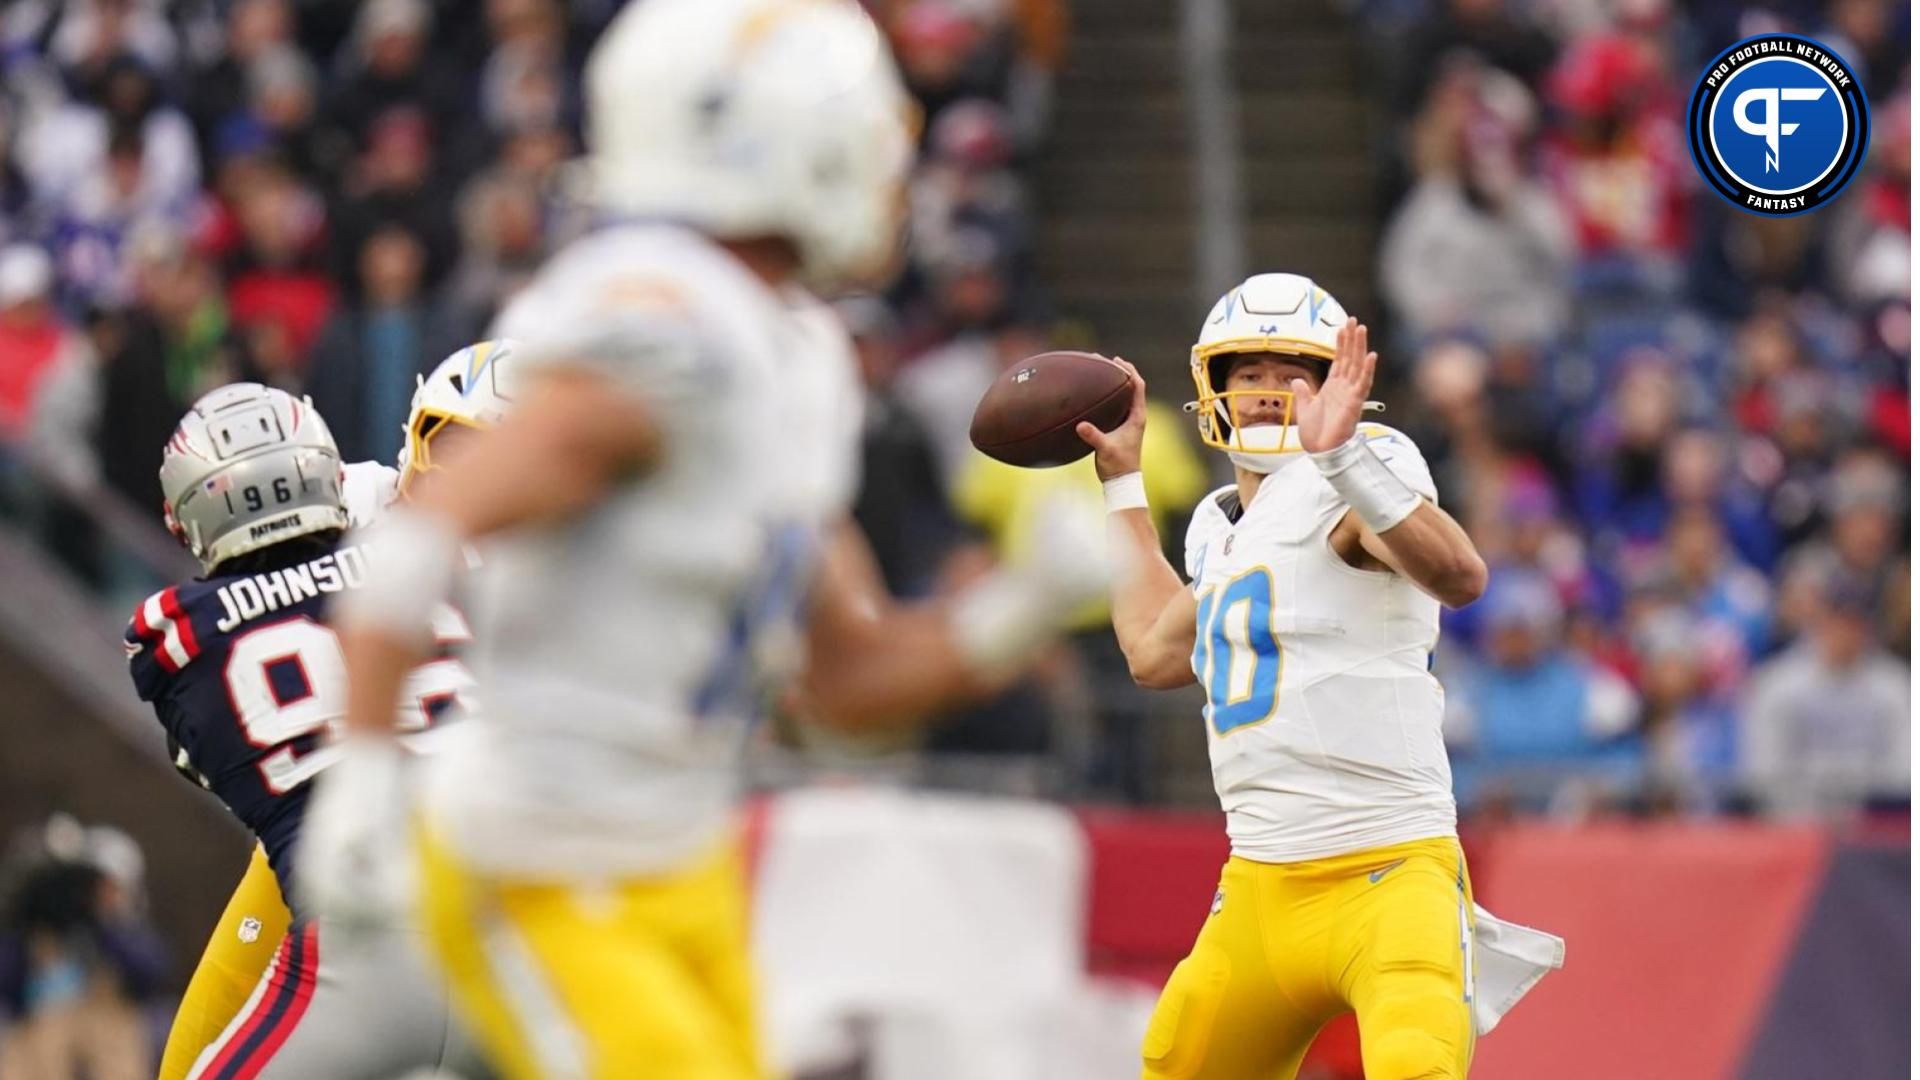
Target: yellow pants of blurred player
(242, 944)
(1383, 933)
(641, 978)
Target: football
(1028, 415)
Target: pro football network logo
(1778, 124)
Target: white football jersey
(624, 652)
(1322, 717)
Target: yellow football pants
(237, 954)
(1384, 933)
(641, 978)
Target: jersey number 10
(1236, 656)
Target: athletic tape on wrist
(1128, 492)
(1365, 483)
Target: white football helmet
(474, 388)
(248, 467)
(749, 118)
(1267, 313)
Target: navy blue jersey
(247, 679)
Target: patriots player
(665, 515)
(247, 680)
(1317, 579)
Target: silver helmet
(249, 466)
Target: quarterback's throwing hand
(1328, 417)
(1117, 452)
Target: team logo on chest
(1227, 548)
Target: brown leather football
(1028, 415)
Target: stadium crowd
(1677, 431)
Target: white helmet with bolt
(472, 388)
(1286, 314)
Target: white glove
(1066, 565)
(351, 863)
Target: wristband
(411, 558)
(1365, 483)
(1125, 492)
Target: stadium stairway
(1115, 185)
(77, 740)
(1306, 131)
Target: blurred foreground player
(1318, 577)
(667, 508)
(248, 681)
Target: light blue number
(1214, 652)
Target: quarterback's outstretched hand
(1117, 452)
(1326, 418)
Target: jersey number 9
(311, 694)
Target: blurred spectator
(1688, 672)
(15, 194)
(178, 343)
(502, 243)
(948, 52)
(1617, 480)
(1871, 250)
(277, 286)
(524, 84)
(1617, 158)
(1698, 471)
(368, 359)
(36, 342)
(392, 182)
(1861, 504)
(389, 65)
(282, 100)
(225, 86)
(77, 958)
(92, 224)
(1484, 29)
(1829, 722)
(1865, 34)
(1479, 246)
(1696, 571)
(62, 147)
(1532, 712)
(1452, 425)
(964, 183)
(92, 34)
